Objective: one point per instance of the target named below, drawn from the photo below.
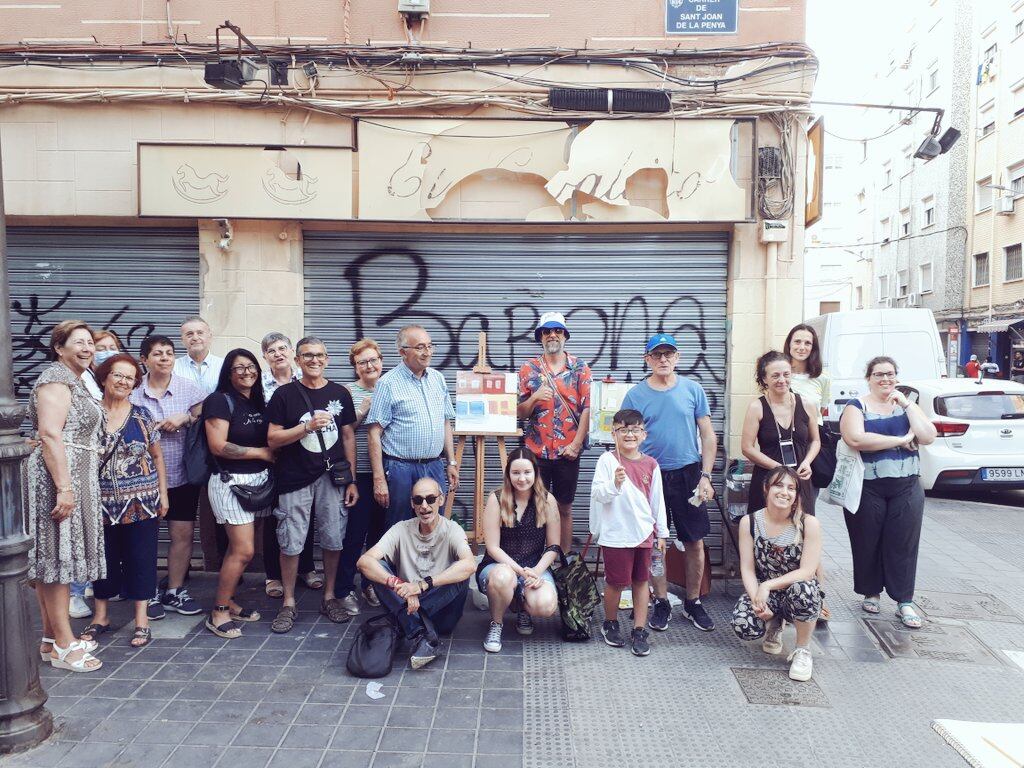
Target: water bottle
(657, 562)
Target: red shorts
(622, 567)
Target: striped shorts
(224, 503)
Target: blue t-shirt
(670, 417)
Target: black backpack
(198, 460)
(373, 651)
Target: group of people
(369, 465)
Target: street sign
(701, 17)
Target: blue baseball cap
(660, 340)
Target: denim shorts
(482, 576)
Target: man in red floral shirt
(554, 403)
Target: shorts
(560, 477)
(692, 523)
(183, 502)
(485, 572)
(294, 509)
(224, 504)
(625, 565)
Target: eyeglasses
(550, 331)
(311, 356)
(883, 375)
(243, 369)
(368, 362)
(123, 377)
(429, 499)
(663, 355)
(629, 430)
(421, 348)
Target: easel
(479, 450)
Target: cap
(660, 340)
(974, 357)
(550, 320)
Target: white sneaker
(350, 604)
(88, 590)
(801, 665)
(772, 642)
(79, 609)
(492, 643)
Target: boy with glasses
(682, 440)
(627, 519)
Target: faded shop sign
(701, 17)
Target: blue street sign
(701, 17)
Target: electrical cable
(957, 228)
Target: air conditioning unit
(913, 300)
(1004, 205)
(887, 303)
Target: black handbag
(373, 651)
(824, 465)
(340, 472)
(251, 498)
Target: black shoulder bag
(340, 472)
(251, 498)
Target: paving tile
(259, 736)
(501, 719)
(456, 718)
(422, 678)
(284, 690)
(143, 755)
(158, 732)
(193, 655)
(500, 742)
(69, 728)
(91, 755)
(461, 678)
(356, 737)
(46, 755)
(96, 708)
(329, 693)
(346, 759)
(397, 760)
(114, 730)
(363, 715)
(506, 698)
(445, 740)
(229, 712)
(465, 661)
(500, 661)
(274, 712)
(212, 734)
(193, 756)
(139, 709)
(447, 761)
(410, 717)
(202, 691)
(184, 711)
(245, 692)
(506, 761)
(404, 739)
(501, 679)
(76, 685)
(296, 758)
(308, 737)
(271, 657)
(136, 670)
(156, 653)
(320, 714)
(159, 689)
(253, 673)
(249, 757)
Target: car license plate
(1002, 474)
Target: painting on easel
(485, 402)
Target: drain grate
(773, 686)
(977, 606)
(934, 642)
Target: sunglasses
(430, 499)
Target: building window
(991, 51)
(983, 194)
(1016, 174)
(933, 78)
(883, 288)
(1018, 28)
(886, 231)
(987, 119)
(1012, 268)
(887, 174)
(928, 212)
(980, 270)
(904, 222)
(988, 129)
(859, 294)
(924, 278)
(902, 283)
(861, 199)
(1018, 102)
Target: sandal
(81, 665)
(870, 605)
(285, 620)
(907, 614)
(143, 634)
(245, 614)
(274, 588)
(93, 631)
(334, 611)
(313, 580)
(228, 630)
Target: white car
(981, 432)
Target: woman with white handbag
(885, 528)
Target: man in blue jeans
(410, 427)
(422, 568)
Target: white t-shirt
(415, 556)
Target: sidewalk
(191, 699)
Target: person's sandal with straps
(907, 613)
(91, 632)
(334, 611)
(82, 664)
(870, 605)
(141, 637)
(245, 614)
(274, 588)
(285, 620)
(228, 630)
(313, 580)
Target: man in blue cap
(554, 403)
(676, 412)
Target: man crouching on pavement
(425, 564)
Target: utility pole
(24, 721)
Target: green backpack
(578, 596)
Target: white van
(849, 339)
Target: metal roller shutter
(615, 290)
(132, 281)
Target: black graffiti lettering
(524, 335)
(618, 327)
(471, 340)
(602, 316)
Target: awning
(997, 326)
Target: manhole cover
(978, 606)
(773, 686)
(934, 642)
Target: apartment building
(994, 298)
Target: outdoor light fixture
(230, 74)
(932, 147)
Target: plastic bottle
(657, 562)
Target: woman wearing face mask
(521, 530)
(133, 490)
(236, 431)
(885, 532)
(779, 553)
(62, 490)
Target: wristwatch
(429, 581)
(452, 463)
(705, 474)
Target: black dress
(768, 433)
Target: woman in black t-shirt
(237, 435)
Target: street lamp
(24, 721)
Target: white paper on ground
(373, 690)
(1017, 657)
(984, 745)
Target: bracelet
(65, 489)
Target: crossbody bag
(251, 497)
(340, 472)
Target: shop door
(614, 290)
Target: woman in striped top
(885, 530)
